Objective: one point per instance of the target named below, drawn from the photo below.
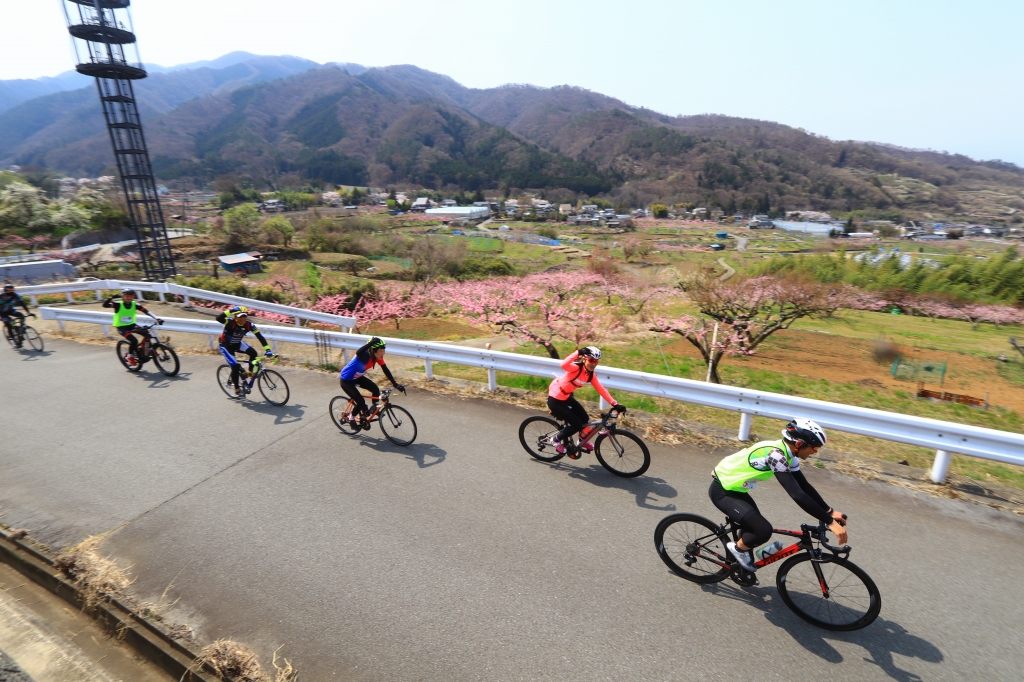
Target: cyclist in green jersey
(736, 475)
(126, 309)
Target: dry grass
(238, 663)
(97, 578)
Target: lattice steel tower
(104, 41)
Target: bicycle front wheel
(224, 381)
(32, 338)
(693, 547)
(166, 360)
(273, 387)
(534, 434)
(340, 409)
(397, 424)
(623, 453)
(834, 595)
(129, 359)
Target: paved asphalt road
(460, 557)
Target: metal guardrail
(162, 289)
(944, 437)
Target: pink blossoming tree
(747, 313)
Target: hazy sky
(938, 74)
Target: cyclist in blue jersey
(353, 375)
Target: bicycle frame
(604, 425)
(149, 339)
(382, 400)
(258, 363)
(807, 536)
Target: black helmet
(590, 352)
(126, 291)
(375, 343)
(805, 430)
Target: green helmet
(376, 342)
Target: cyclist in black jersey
(236, 326)
(9, 301)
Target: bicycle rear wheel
(624, 454)
(340, 408)
(397, 424)
(9, 335)
(32, 338)
(534, 433)
(273, 387)
(166, 360)
(129, 359)
(834, 595)
(224, 381)
(692, 547)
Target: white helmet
(805, 430)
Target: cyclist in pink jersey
(579, 369)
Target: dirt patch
(426, 329)
(846, 360)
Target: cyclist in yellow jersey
(736, 475)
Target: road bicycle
(271, 384)
(396, 423)
(20, 334)
(824, 589)
(620, 452)
(149, 348)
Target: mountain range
(283, 121)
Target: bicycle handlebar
(820, 533)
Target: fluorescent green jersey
(125, 314)
(740, 472)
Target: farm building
(36, 272)
(241, 262)
(459, 213)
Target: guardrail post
(492, 379)
(941, 466)
(603, 404)
(209, 340)
(68, 294)
(161, 295)
(428, 367)
(344, 355)
(273, 346)
(99, 295)
(60, 323)
(34, 301)
(106, 330)
(745, 419)
(188, 303)
(298, 322)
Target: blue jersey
(358, 366)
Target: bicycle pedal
(576, 454)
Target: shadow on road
(424, 454)
(285, 414)
(646, 489)
(29, 355)
(158, 380)
(881, 639)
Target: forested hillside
(277, 124)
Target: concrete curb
(144, 636)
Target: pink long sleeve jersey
(575, 376)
